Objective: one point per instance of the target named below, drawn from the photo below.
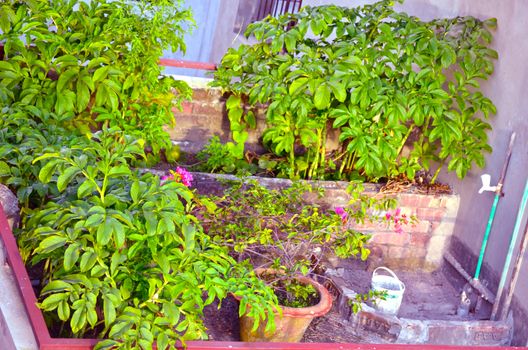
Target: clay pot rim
(321, 308)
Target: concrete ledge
(370, 325)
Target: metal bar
(498, 194)
(486, 235)
(167, 62)
(484, 291)
(265, 9)
(515, 274)
(260, 12)
(284, 2)
(513, 240)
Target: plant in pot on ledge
(287, 240)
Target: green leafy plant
(121, 256)
(219, 157)
(371, 295)
(81, 64)
(118, 253)
(21, 138)
(276, 229)
(402, 94)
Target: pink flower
(185, 176)
(341, 212)
(180, 175)
(397, 218)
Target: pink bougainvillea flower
(185, 176)
(397, 218)
(180, 175)
(341, 212)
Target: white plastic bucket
(390, 284)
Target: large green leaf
(66, 177)
(322, 97)
(51, 243)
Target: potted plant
(288, 241)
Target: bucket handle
(390, 272)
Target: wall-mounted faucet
(486, 180)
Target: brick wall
(204, 117)
(419, 246)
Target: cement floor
(427, 296)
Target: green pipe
(513, 241)
(498, 194)
(486, 236)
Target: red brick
(405, 257)
(397, 252)
(414, 200)
(490, 333)
(187, 108)
(377, 252)
(440, 333)
(421, 226)
(387, 328)
(393, 239)
(430, 214)
(408, 211)
(211, 95)
(372, 227)
(209, 109)
(475, 333)
(420, 240)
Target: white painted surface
(14, 312)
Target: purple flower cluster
(179, 175)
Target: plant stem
(404, 140)
(425, 127)
(315, 162)
(322, 151)
(437, 172)
(344, 162)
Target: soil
(222, 322)
(421, 184)
(428, 296)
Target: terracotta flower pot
(294, 321)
